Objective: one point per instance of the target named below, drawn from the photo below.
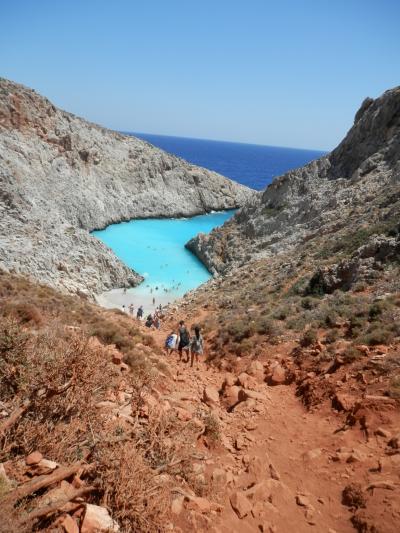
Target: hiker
(170, 343)
(156, 321)
(139, 313)
(196, 346)
(183, 341)
(131, 309)
(149, 321)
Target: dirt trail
(277, 454)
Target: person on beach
(123, 308)
(131, 309)
(139, 313)
(184, 340)
(196, 346)
(171, 342)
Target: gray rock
(352, 188)
(62, 177)
(363, 266)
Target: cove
(155, 248)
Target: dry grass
(130, 488)
(61, 373)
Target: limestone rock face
(61, 177)
(354, 187)
(363, 265)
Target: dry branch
(41, 482)
(15, 415)
(53, 507)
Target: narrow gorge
(290, 422)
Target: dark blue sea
(250, 164)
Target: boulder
(45, 466)
(231, 396)
(302, 500)
(177, 505)
(69, 524)
(256, 466)
(256, 370)
(211, 396)
(196, 503)
(98, 520)
(381, 432)
(229, 381)
(246, 394)
(277, 375)
(240, 442)
(219, 477)
(344, 402)
(240, 504)
(33, 458)
(246, 381)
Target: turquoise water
(156, 249)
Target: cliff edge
(61, 177)
(353, 189)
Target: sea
(155, 248)
(253, 165)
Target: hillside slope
(61, 177)
(351, 189)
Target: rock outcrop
(354, 188)
(61, 177)
(363, 266)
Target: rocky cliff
(353, 189)
(61, 177)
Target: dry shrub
(24, 312)
(137, 499)
(61, 374)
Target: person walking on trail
(139, 313)
(149, 321)
(184, 341)
(196, 346)
(170, 343)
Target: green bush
(309, 338)
(265, 326)
(240, 329)
(351, 354)
(332, 336)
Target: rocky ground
(287, 439)
(61, 177)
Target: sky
(282, 73)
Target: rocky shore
(62, 177)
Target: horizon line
(135, 133)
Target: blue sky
(283, 73)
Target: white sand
(137, 296)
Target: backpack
(184, 336)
